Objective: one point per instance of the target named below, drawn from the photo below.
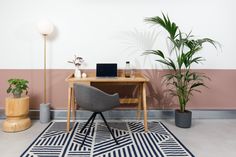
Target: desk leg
(69, 109)
(145, 107)
(73, 105)
(139, 101)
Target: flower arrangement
(77, 61)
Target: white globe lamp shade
(45, 27)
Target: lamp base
(44, 116)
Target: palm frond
(154, 52)
(165, 22)
(208, 40)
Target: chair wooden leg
(88, 131)
(108, 127)
(91, 117)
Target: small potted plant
(17, 107)
(17, 87)
(77, 61)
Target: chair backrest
(93, 99)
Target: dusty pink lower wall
(56, 86)
(221, 93)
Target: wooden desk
(139, 80)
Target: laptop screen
(106, 70)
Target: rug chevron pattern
(54, 141)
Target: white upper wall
(110, 31)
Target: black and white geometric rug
(54, 141)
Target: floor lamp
(45, 28)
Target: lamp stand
(45, 107)
(45, 28)
(45, 67)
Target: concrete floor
(206, 138)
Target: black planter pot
(183, 119)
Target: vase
(77, 72)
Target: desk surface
(71, 78)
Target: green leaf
(17, 85)
(196, 85)
(154, 52)
(165, 22)
(168, 63)
(208, 40)
(9, 90)
(172, 64)
(196, 60)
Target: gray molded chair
(97, 101)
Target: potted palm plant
(181, 81)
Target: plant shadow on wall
(181, 81)
(137, 42)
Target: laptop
(106, 70)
